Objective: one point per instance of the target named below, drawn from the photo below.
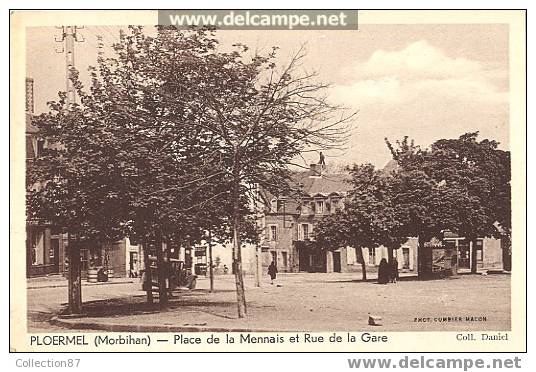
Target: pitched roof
(312, 185)
(324, 185)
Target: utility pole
(68, 37)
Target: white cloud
(419, 59)
(422, 92)
(421, 71)
(387, 88)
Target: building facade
(289, 224)
(489, 252)
(46, 245)
(406, 255)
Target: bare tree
(263, 118)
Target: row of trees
(173, 139)
(461, 185)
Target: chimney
(315, 170)
(29, 95)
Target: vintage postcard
(283, 180)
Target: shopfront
(44, 249)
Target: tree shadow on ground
(39, 316)
(413, 278)
(137, 305)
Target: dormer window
(319, 206)
(335, 205)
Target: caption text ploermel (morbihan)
(208, 339)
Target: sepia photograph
(267, 173)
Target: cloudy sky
(424, 81)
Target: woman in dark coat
(394, 270)
(383, 272)
(272, 271)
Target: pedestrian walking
(383, 272)
(394, 270)
(272, 271)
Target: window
(320, 206)
(405, 258)
(273, 207)
(40, 146)
(285, 258)
(305, 231)
(335, 205)
(273, 233)
(84, 259)
(479, 250)
(54, 248)
(372, 256)
(480, 255)
(38, 248)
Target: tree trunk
(162, 273)
(390, 255)
(210, 263)
(257, 265)
(237, 253)
(258, 252)
(239, 278)
(148, 280)
(75, 276)
(506, 245)
(423, 255)
(361, 260)
(474, 263)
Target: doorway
(405, 258)
(55, 255)
(464, 255)
(133, 265)
(303, 259)
(337, 262)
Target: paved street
(302, 302)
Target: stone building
(489, 252)
(406, 255)
(289, 223)
(46, 245)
